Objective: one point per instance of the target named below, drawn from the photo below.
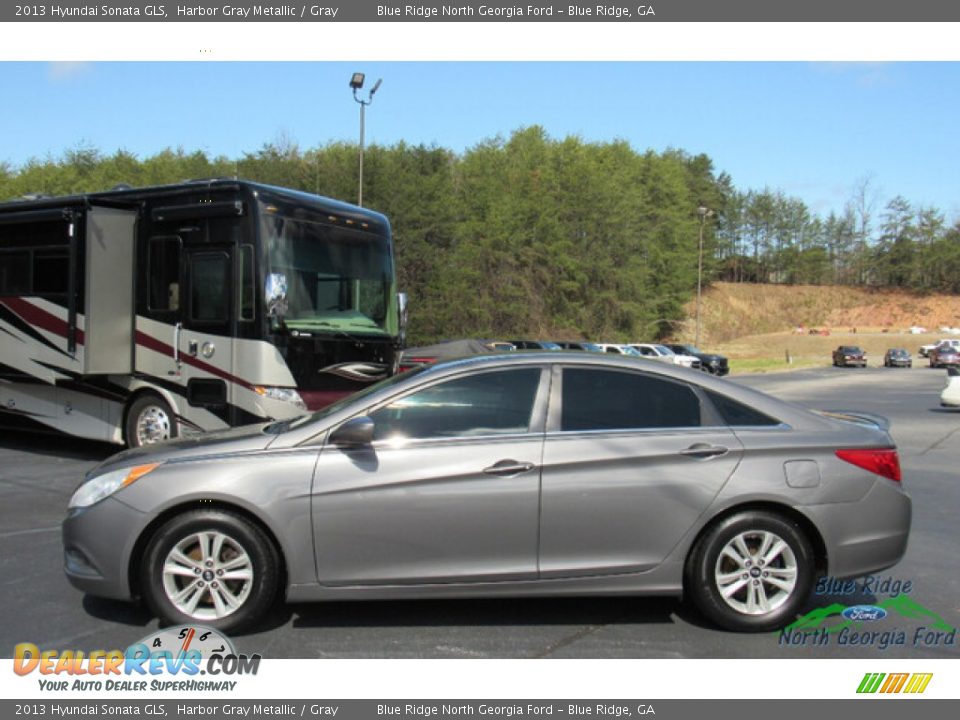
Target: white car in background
(618, 349)
(926, 349)
(665, 354)
(950, 397)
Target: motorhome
(137, 315)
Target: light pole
(703, 212)
(356, 82)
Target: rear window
(595, 399)
(736, 414)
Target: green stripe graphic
(871, 682)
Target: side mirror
(403, 313)
(354, 433)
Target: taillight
(884, 462)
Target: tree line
(531, 236)
(766, 236)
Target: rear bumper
(866, 536)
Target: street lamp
(356, 83)
(703, 212)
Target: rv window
(163, 269)
(51, 271)
(14, 273)
(246, 282)
(209, 282)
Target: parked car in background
(925, 350)
(897, 357)
(618, 349)
(534, 345)
(950, 397)
(849, 355)
(579, 345)
(444, 482)
(499, 345)
(664, 354)
(709, 362)
(944, 355)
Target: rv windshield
(324, 278)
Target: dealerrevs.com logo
(176, 652)
(892, 683)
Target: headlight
(95, 490)
(279, 393)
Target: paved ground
(38, 474)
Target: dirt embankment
(735, 310)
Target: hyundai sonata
(562, 473)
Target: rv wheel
(149, 420)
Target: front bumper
(98, 542)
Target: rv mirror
(276, 295)
(402, 311)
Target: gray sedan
(562, 473)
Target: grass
(768, 353)
(764, 365)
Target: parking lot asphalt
(38, 474)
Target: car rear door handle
(703, 450)
(506, 468)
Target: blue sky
(812, 130)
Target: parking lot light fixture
(356, 83)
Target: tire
(149, 420)
(753, 603)
(187, 568)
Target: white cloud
(58, 71)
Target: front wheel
(751, 572)
(149, 420)
(210, 567)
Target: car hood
(247, 438)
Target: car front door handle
(505, 468)
(703, 450)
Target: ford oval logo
(864, 613)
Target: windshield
(664, 350)
(325, 278)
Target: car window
(737, 414)
(493, 403)
(598, 399)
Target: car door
(629, 465)
(448, 492)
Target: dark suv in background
(709, 362)
(847, 355)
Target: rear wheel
(751, 572)
(211, 567)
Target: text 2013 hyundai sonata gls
(522, 474)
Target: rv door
(109, 307)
